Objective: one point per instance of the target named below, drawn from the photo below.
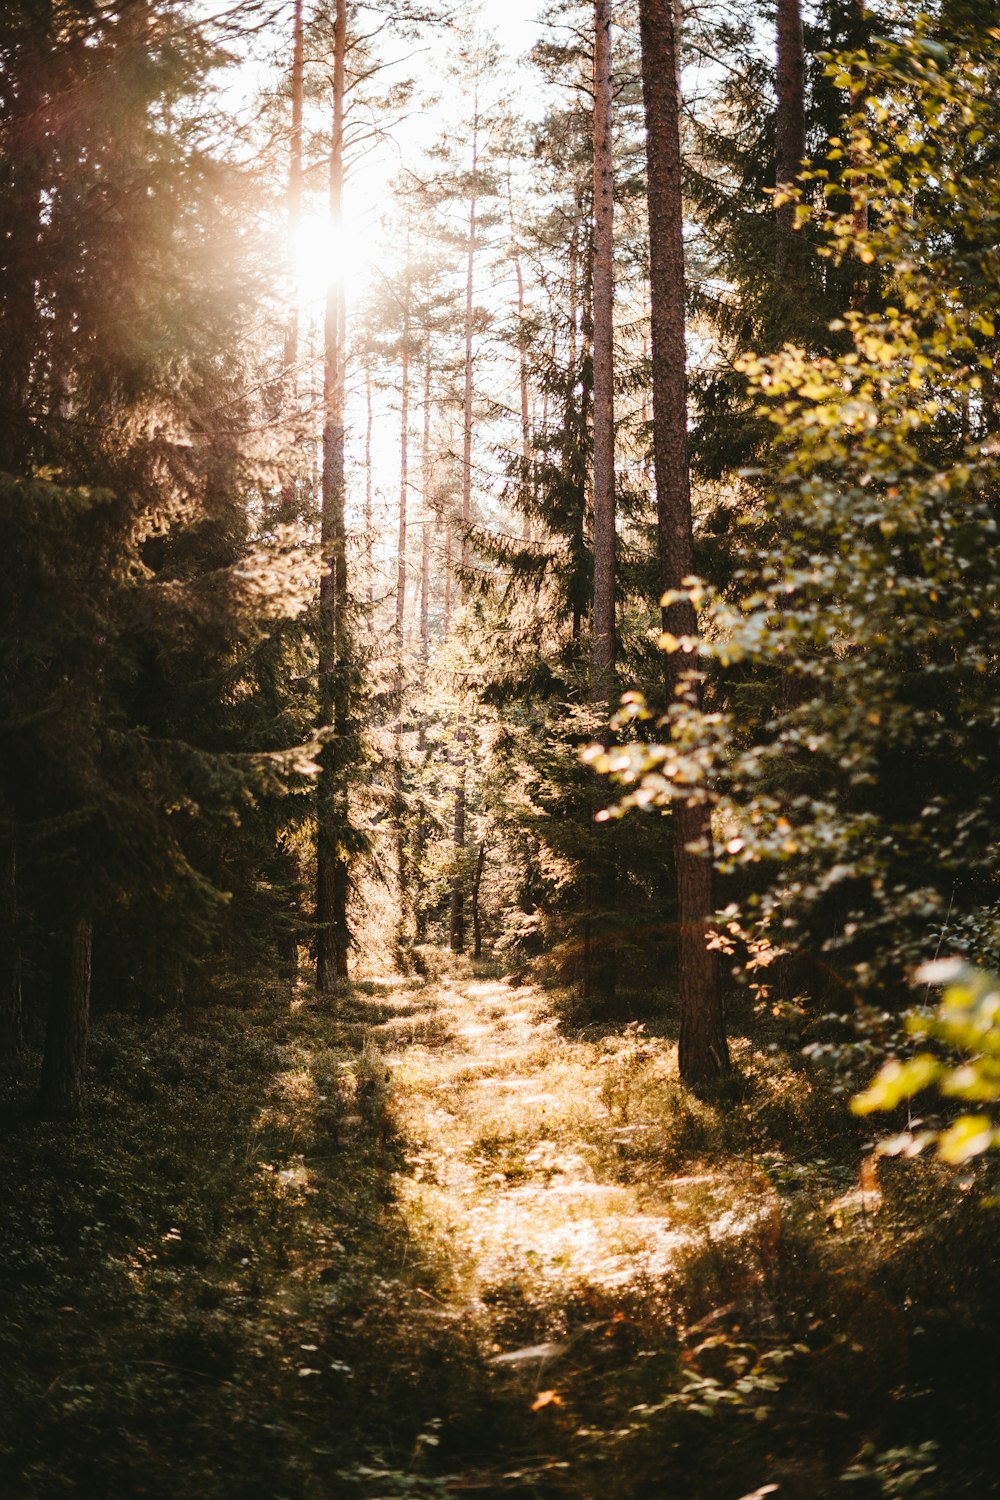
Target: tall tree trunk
(425, 537)
(11, 1005)
(789, 134)
(290, 359)
(860, 36)
(477, 924)
(421, 829)
(369, 540)
(404, 481)
(404, 473)
(574, 273)
(573, 369)
(703, 1050)
(456, 933)
(522, 350)
(467, 393)
(602, 661)
(68, 1027)
(600, 958)
(332, 860)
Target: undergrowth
(422, 1241)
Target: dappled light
(499, 705)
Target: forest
(499, 775)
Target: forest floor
(428, 1239)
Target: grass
(427, 1241)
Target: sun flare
(325, 255)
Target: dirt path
(525, 1147)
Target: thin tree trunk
(574, 272)
(61, 1088)
(703, 1050)
(425, 540)
(404, 426)
(467, 394)
(522, 348)
(369, 539)
(332, 867)
(477, 926)
(789, 132)
(404, 478)
(602, 662)
(859, 181)
(572, 380)
(290, 360)
(456, 934)
(600, 958)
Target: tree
(703, 1050)
(603, 627)
(789, 134)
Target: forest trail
(521, 1145)
(558, 1197)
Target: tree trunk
(60, 1093)
(703, 1050)
(477, 926)
(602, 663)
(11, 1003)
(397, 734)
(290, 360)
(404, 478)
(467, 394)
(332, 861)
(789, 134)
(522, 349)
(369, 538)
(456, 934)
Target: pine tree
(703, 1051)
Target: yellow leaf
(546, 1398)
(970, 1136)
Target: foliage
(963, 1024)
(851, 709)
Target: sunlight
(326, 255)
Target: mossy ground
(425, 1239)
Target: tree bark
(404, 477)
(456, 926)
(426, 523)
(68, 1028)
(789, 132)
(477, 926)
(703, 1050)
(290, 358)
(404, 480)
(467, 393)
(602, 664)
(369, 539)
(522, 350)
(332, 861)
